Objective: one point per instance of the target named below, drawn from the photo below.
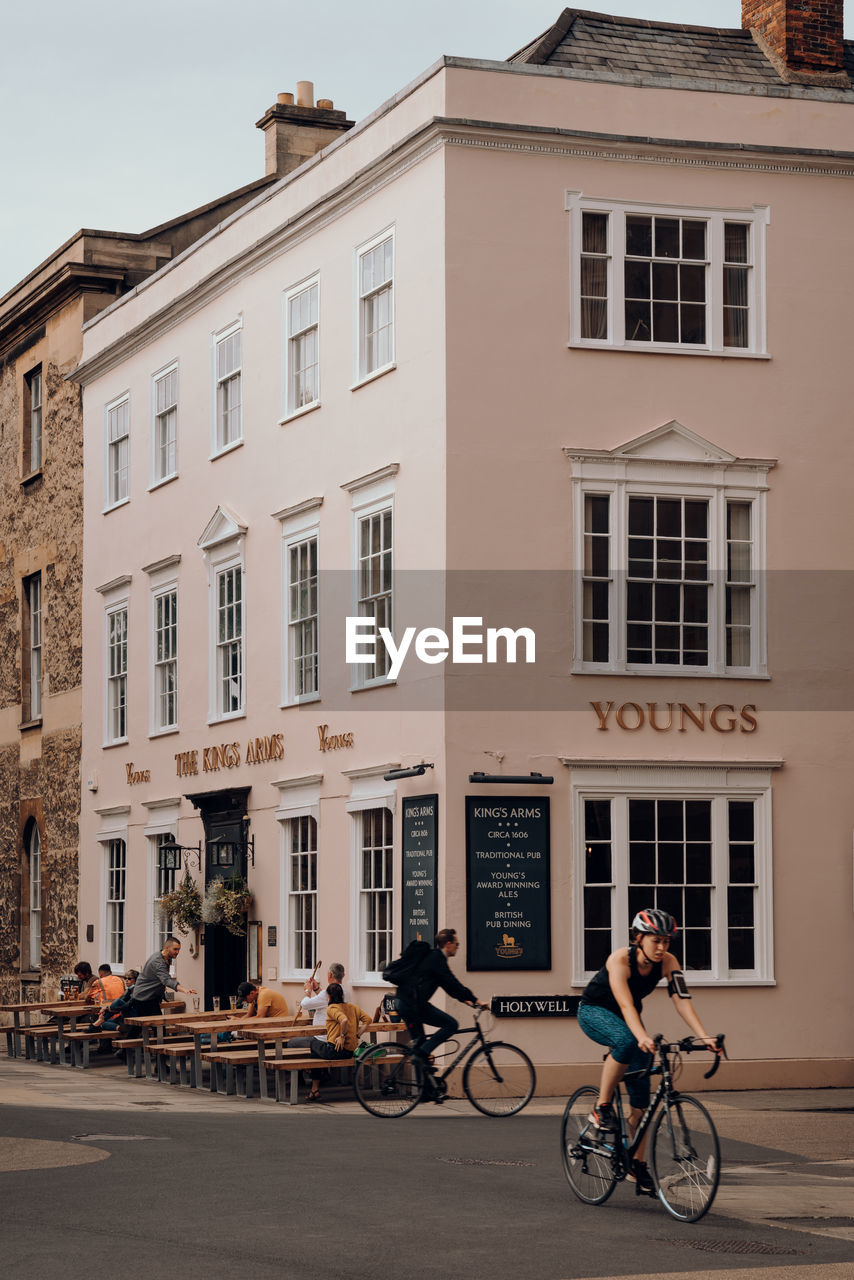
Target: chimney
(295, 131)
(801, 38)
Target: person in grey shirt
(150, 987)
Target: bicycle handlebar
(689, 1044)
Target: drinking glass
(215, 1001)
(232, 1000)
(195, 1004)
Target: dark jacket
(436, 972)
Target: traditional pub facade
(495, 573)
(41, 554)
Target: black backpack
(403, 972)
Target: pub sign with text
(508, 883)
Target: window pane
(638, 235)
(735, 242)
(693, 239)
(594, 232)
(667, 237)
(638, 322)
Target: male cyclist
(413, 1001)
(610, 1011)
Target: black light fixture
(543, 779)
(221, 852)
(170, 854)
(416, 771)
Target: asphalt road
(101, 1176)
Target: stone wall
(41, 531)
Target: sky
(121, 114)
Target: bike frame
(467, 1048)
(665, 1093)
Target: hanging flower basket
(183, 906)
(227, 902)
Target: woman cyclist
(610, 1011)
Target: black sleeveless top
(598, 990)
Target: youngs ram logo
(432, 645)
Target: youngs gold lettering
(662, 717)
(334, 741)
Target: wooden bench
(177, 1056)
(293, 1066)
(80, 1043)
(133, 1055)
(233, 1070)
(41, 1043)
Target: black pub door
(222, 814)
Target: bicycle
(685, 1153)
(498, 1078)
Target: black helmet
(651, 920)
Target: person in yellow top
(344, 1024)
(263, 1002)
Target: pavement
(788, 1156)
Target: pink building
(542, 360)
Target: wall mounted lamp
(416, 771)
(543, 779)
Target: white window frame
(115, 681)
(298, 798)
(621, 780)
(670, 462)
(219, 444)
(222, 544)
(111, 932)
(34, 857)
(159, 665)
(371, 494)
(368, 368)
(293, 344)
(756, 217)
(35, 420)
(292, 827)
(33, 640)
(374, 892)
(233, 565)
(116, 453)
(370, 790)
(162, 826)
(299, 525)
(159, 474)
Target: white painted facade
(390, 345)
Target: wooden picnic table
(231, 1020)
(280, 1034)
(73, 1008)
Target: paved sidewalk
(800, 1174)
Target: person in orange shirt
(344, 1024)
(263, 1002)
(106, 987)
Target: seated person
(315, 1002)
(111, 1015)
(262, 1002)
(85, 977)
(344, 1024)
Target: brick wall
(806, 34)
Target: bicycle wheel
(499, 1079)
(389, 1080)
(588, 1168)
(686, 1159)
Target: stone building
(41, 549)
(556, 347)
